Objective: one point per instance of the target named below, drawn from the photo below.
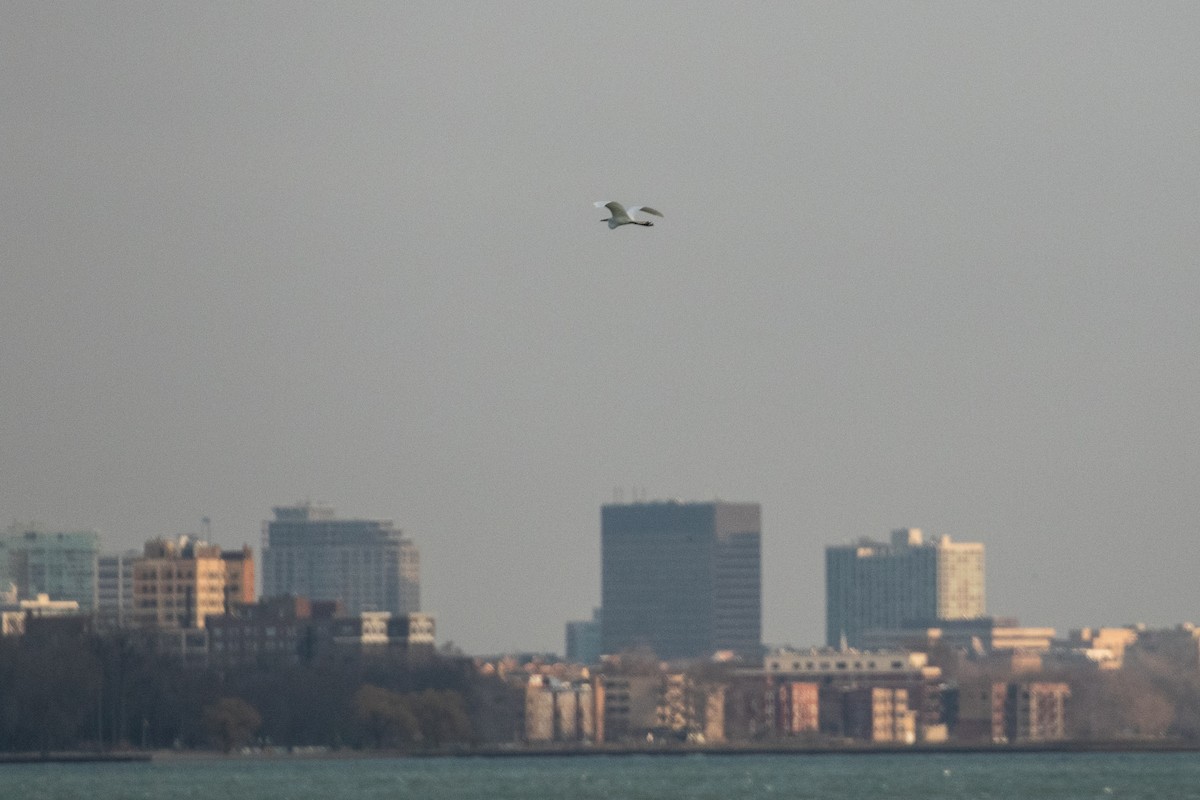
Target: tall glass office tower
(684, 579)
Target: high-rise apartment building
(684, 579)
(60, 565)
(114, 588)
(180, 583)
(909, 581)
(368, 565)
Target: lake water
(775, 777)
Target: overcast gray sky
(922, 264)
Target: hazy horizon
(925, 265)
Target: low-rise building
(15, 614)
(560, 711)
(630, 705)
(824, 690)
(1030, 711)
(982, 636)
(664, 705)
(188, 646)
(1013, 711)
(796, 707)
(825, 664)
(875, 714)
(287, 629)
(382, 633)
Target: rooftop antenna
(206, 525)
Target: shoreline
(866, 748)
(524, 751)
(76, 757)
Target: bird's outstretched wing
(619, 215)
(646, 209)
(616, 208)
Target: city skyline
(920, 265)
(904, 589)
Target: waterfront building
(841, 712)
(562, 711)
(908, 582)
(59, 565)
(114, 589)
(180, 583)
(870, 713)
(383, 634)
(1011, 712)
(188, 646)
(796, 707)
(1033, 711)
(15, 614)
(280, 629)
(683, 579)
(366, 565)
(664, 704)
(630, 705)
(825, 665)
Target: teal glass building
(61, 565)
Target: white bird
(622, 217)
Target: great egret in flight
(620, 216)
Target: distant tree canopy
(430, 718)
(81, 691)
(442, 717)
(231, 722)
(1118, 705)
(49, 688)
(62, 688)
(384, 718)
(1178, 688)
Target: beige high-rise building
(909, 581)
(177, 584)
